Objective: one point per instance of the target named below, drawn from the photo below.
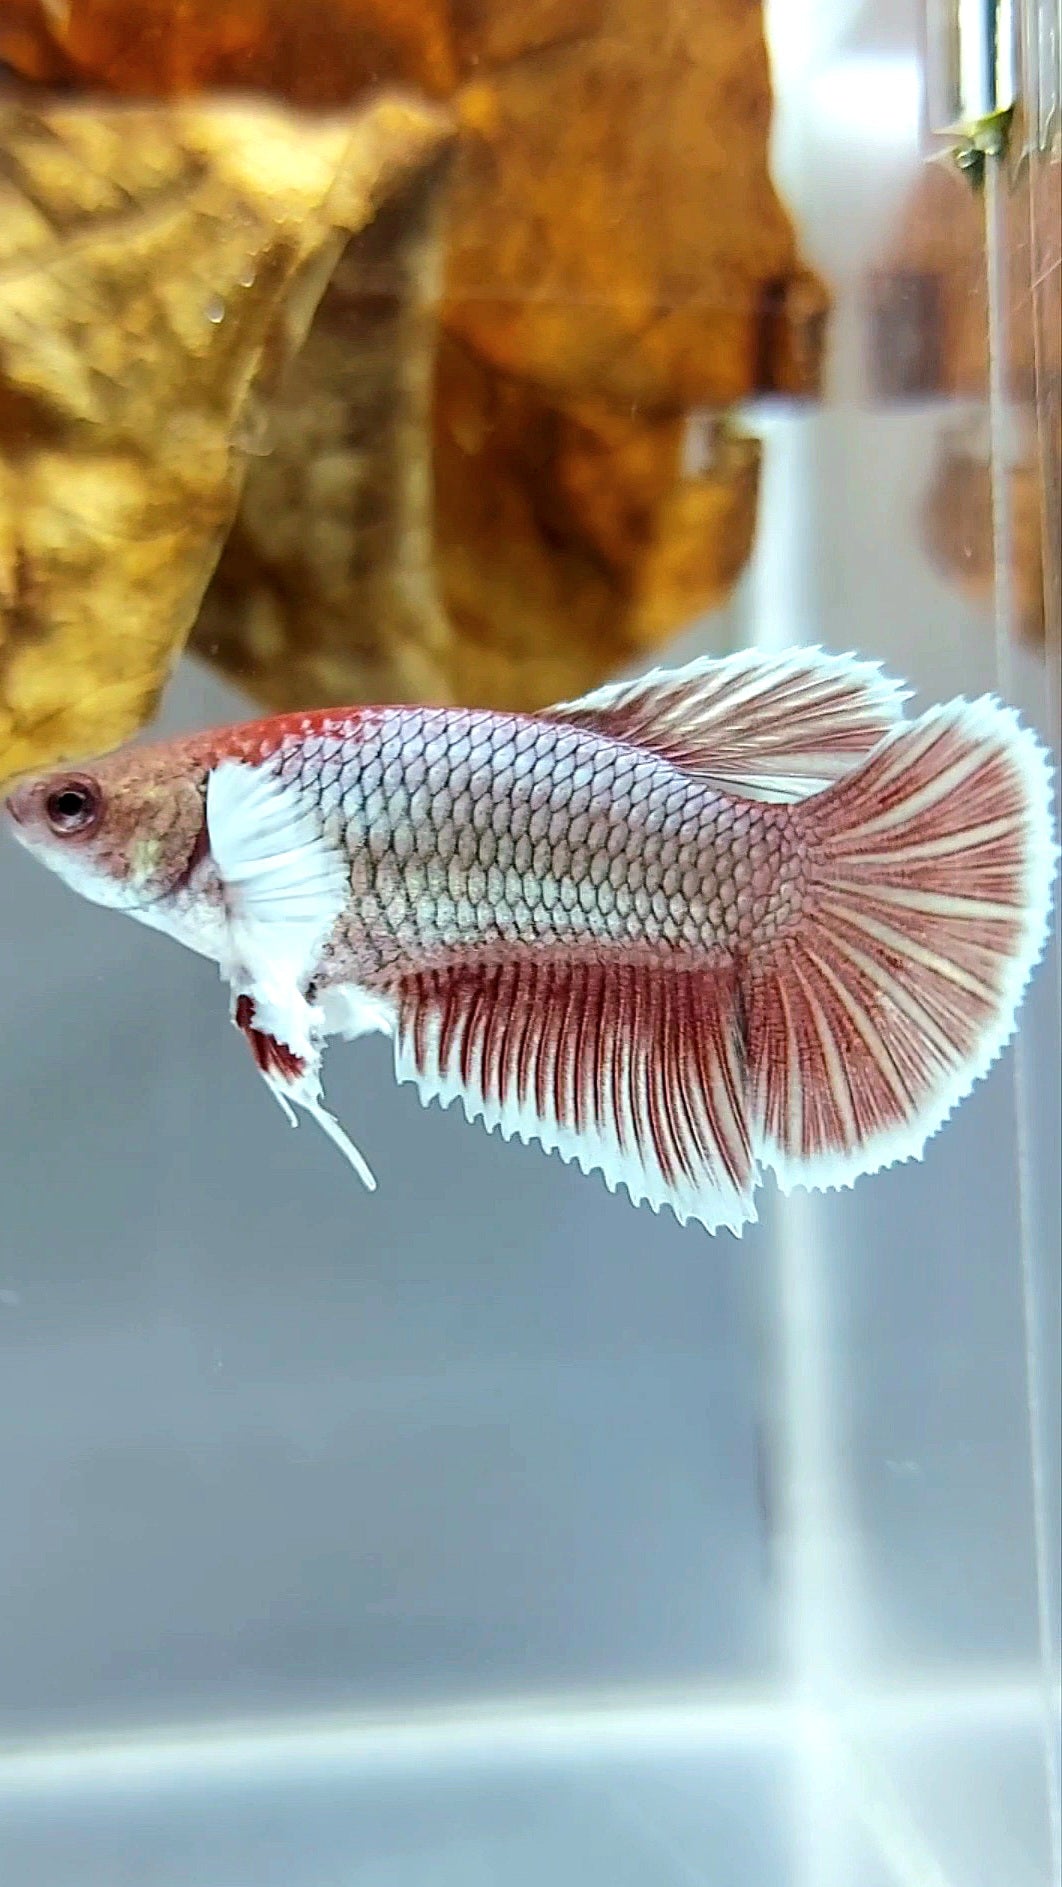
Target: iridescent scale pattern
(478, 830)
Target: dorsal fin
(772, 727)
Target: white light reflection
(529, 1731)
(868, 99)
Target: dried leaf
(157, 267)
(494, 32)
(514, 521)
(557, 548)
(569, 542)
(306, 52)
(615, 234)
(325, 591)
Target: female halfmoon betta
(735, 916)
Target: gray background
(487, 1530)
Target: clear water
(488, 1531)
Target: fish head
(124, 831)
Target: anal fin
(635, 1071)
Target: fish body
(470, 835)
(737, 915)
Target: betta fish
(739, 915)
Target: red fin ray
(927, 912)
(773, 727)
(634, 1070)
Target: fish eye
(74, 806)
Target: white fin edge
(618, 1144)
(715, 717)
(990, 719)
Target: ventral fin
(633, 1071)
(770, 727)
(285, 885)
(295, 1081)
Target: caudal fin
(930, 871)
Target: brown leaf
(306, 52)
(615, 234)
(157, 267)
(568, 542)
(514, 521)
(557, 548)
(325, 591)
(494, 32)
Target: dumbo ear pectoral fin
(284, 886)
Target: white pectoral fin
(285, 884)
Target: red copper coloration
(272, 1056)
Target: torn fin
(771, 727)
(283, 1103)
(295, 1081)
(635, 1071)
(926, 914)
(330, 1126)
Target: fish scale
(533, 876)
